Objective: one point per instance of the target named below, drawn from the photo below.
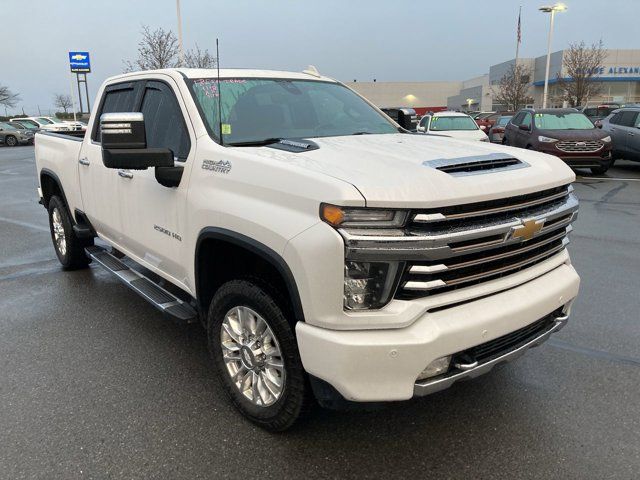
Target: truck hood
(389, 170)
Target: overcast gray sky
(410, 40)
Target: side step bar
(163, 300)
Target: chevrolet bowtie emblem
(528, 229)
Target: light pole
(552, 9)
(181, 52)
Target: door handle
(125, 173)
(84, 161)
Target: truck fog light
(437, 367)
(369, 285)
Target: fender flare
(257, 248)
(49, 173)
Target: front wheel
(11, 141)
(69, 248)
(256, 356)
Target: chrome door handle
(125, 174)
(84, 161)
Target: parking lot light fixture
(552, 9)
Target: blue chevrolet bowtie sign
(79, 62)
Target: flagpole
(518, 38)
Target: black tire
(601, 170)
(10, 141)
(73, 257)
(295, 399)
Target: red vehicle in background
(486, 119)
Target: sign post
(80, 64)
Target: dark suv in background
(563, 132)
(624, 128)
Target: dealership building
(619, 76)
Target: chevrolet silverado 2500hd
(327, 251)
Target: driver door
(153, 216)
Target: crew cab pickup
(327, 251)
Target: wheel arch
(216, 243)
(51, 185)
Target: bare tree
(197, 58)
(8, 98)
(63, 101)
(157, 49)
(582, 63)
(513, 88)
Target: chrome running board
(170, 305)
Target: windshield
(444, 124)
(503, 120)
(46, 121)
(255, 110)
(29, 123)
(6, 126)
(563, 121)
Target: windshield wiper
(362, 133)
(254, 143)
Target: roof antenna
(219, 95)
(311, 70)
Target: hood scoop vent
(477, 164)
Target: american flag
(519, 27)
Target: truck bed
(58, 154)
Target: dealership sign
(612, 71)
(79, 62)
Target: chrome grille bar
(431, 217)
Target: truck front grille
(456, 247)
(574, 146)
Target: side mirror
(526, 128)
(124, 143)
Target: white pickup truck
(328, 252)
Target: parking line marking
(24, 224)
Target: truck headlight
(362, 217)
(544, 139)
(369, 285)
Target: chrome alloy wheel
(252, 356)
(58, 232)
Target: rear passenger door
(153, 216)
(99, 184)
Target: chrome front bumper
(427, 387)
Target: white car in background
(452, 124)
(45, 123)
(76, 126)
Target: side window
(637, 122)
(616, 118)
(117, 98)
(527, 120)
(424, 121)
(164, 121)
(517, 120)
(627, 119)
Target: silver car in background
(623, 125)
(11, 135)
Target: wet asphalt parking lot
(94, 383)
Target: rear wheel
(11, 141)
(256, 355)
(69, 248)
